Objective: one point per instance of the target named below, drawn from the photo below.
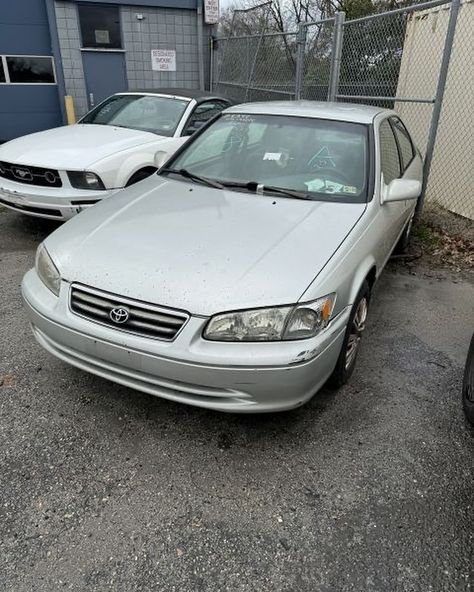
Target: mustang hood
(73, 146)
(200, 249)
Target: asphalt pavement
(367, 489)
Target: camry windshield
(159, 115)
(307, 158)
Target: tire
(140, 176)
(468, 384)
(403, 242)
(350, 346)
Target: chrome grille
(140, 318)
(30, 175)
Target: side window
(389, 159)
(210, 145)
(202, 114)
(404, 141)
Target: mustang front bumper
(55, 203)
(234, 377)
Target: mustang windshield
(323, 159)
(159, 115)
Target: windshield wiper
(259, 187)
(188, 175)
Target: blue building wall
(26, 108)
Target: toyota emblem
(119, 315)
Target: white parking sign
(163, 59)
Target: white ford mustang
(59, 172)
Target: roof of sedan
(318, 109)
(187, 93)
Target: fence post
(200, 49)
(438, 102)
(300, 54)
(254, 63)
(211, 63)
(336, 53)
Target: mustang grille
(30, 175)
(125, 314)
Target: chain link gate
(397, 59)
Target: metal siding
(31, 107)
(184, 4)
(24, 111)
(24, 28)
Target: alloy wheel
(357, 328)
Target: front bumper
(55, 203)
(220, 376)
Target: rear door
(393, 214)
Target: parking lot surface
(365, 489)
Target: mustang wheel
(352, 338)
(468, 384)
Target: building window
(100, 26)
(27, 70)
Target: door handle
(91, 99)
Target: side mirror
(160, 158)
(401, 190)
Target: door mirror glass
(402, 189)
(160, 158)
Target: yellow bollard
(71, 114)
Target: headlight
(85, 180)
(272, 324)
(47, 271)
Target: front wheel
(468, 385)
(350, 347)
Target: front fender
(117, 169)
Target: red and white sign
(211, 12)
(163, 59)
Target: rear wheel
(468, 384)
(140, 175)
(350, 347)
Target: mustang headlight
(272, 324)
(85, 180)
(47, 271)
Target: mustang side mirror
(402, 189)
(160, 158)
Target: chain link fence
(397, 59)
(451, 178)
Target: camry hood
(73, 146)
(200, 249)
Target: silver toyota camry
(239, 277)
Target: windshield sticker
(349, 189)
(323, 186)
(272, 156)
(322, 159)
(239, 117)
